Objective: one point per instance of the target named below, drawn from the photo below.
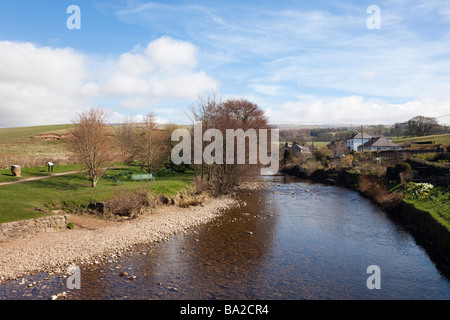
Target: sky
(302, 62)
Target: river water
(296, 240)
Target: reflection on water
(296, 240)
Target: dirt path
(38, 178)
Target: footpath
(38, 178)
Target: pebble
(60, 296)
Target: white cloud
(44, 85)
(39, 85)
(117, 117)
(353, 110)
(271, 90)
(166, 68)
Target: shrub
(377, 170)
(402, 167)
(427, 156)
(186, 203)
(390, 173)
(405, 177)
(129, 203)
(70, 225)
(200, 185)
(346, 162)
(287, 156)
(310, 166)
(371, 187)
(187, 198)
(401, 172)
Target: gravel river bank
(93, 240)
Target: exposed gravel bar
(54, 252)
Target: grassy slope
(441, 212)
(22, 146)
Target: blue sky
(303, 62)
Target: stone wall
(28, 228)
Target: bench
(140, 177)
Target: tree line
(418, 126)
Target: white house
(380, 143)
(358, 140)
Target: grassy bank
(35, 199)
(432, 199)
(428, 223)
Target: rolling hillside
(33, 146)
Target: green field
(34, 199)
(443, 139)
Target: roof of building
(380, 142)
(295, 144)
(302, 147)
(363, 136)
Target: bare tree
(92, 145)
(124, 138)
(150, 146)
(422, 126)
(234, 114)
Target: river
(295, 240)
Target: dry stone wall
(28, 228)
